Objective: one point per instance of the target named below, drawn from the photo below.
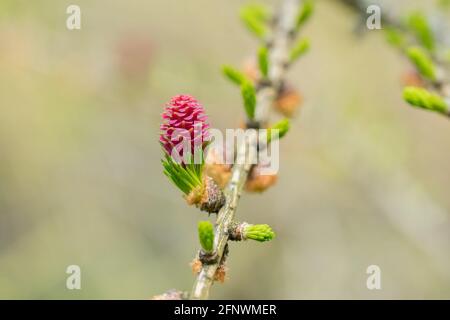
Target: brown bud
(412, 78)
(288, 101)
(195, 196)
(213, 198)
(257, 182)
(196, 266)
(220, 173)
(216, 169)
(236, 231)
(220, 274)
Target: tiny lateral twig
(280, 41)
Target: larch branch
(279, 45)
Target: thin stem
(278, 57)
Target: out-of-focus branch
(440, 82)
(404, 202)
(279, 45)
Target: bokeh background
(364, 179)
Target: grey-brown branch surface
(279, 43)
(391, 17)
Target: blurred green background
(364, 179)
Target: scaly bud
(215, 167)
(208, 196)
(258, 182)
(196, 266)
(244, 231)
(221, 273)
(411, 78)
(288, 101)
